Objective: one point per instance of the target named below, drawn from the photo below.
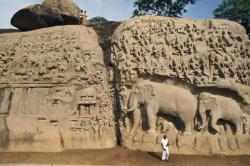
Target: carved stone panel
(55, 91)
(167, 68)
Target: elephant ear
(148, 93)
(136, 90)
(211, 103)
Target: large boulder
(69, 10)
(65, 6)
(39, 16)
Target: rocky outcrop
(160, 62)
(187, 79)
(40, 16)
(68, 9)
(56, 93)
(35, 17)
(65, 6)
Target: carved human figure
(165, 99)
(220, 107)
(165, 126)
(246, 123)
(5, 101)
(96, 129)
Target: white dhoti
(165, 154)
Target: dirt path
(120, 156)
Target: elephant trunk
(131, 109)
(132, 103)
(202, 112)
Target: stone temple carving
(188, 79)
(55, 91)
(164, 99)
(220, 108)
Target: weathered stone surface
(187, 79)
(69, 10)
(185, 144)
(104, 31)
(35, 17)
(56, 92)
(66, 6)
(173, 73)
(39, 16)
(208, 143)
(243, 143)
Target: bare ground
(120, 156)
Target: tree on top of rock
(235, 10)
(172, 8)
(97, 20)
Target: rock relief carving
(164, 99)
(44, 61)
(61, 93)
(200, 57)
(164, 69)
(197, 52)
(220, 107)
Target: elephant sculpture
(164, 99)
(220, 107)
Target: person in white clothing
(165, 150)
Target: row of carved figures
(220, 39)
(189, 52)
(199, 71)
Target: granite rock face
(36, 17)
(55, 92)
(40, 16)
(69, 10)
(65, 6)
(188, 79)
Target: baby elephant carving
(220, 107)
(164, 99)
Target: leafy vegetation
(235, 10)
(172, 8)
(97, 20)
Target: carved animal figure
(221, 108)
(165, 99)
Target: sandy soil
(120, 156)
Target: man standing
(164, 145)
(83, 17)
